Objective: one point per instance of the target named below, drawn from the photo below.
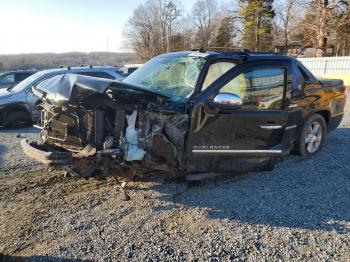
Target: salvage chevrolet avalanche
(188, 112)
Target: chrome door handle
(292, 106)
(270, 126)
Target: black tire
(301, 147)
(16, 119)
(270, 165)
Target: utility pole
(107, 44)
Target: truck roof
(241, 55)
(78, 68)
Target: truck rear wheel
(312, 136)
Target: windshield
(27, 82)
(172, 76)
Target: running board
(266, 153)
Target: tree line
(52, 60)
(159, 26)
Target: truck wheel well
(15, 108)
(326, 115)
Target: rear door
(240, 137)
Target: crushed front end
(102, 127)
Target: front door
(226, 137)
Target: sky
(37, 26)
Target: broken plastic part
(133, 151)
(89, 150)
(108, 143)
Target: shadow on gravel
(7, 258)
(3, 150)
(308, 193)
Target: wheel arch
(14, 107)
(326, 114)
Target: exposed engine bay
(108, 131)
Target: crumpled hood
(65, 88)
(4, 93)
(62, 88)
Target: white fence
(320, 66)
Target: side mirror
(227, 100)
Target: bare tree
(149, 30)
(323, 33)
(288, 14)
(52, 60)
(173, 12)
(158, 26)
(203, 13)
(326, 20)
(341, 37)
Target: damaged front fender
(108, 128)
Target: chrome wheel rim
(313, 137)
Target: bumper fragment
(46, 154)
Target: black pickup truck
(191, 112)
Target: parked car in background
(18, 104)
(12, 78)
(128, 69)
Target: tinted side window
(259, 89)
(21, 76)
(7, 79)
(215, 71)
(104, 75)
(97, 74)
(88, 74)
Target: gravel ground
(298, 212)
(12, 158)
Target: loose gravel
(12, 158)
(298, 212)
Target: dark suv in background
(18, 104)
(12, 78)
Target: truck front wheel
(16, 119)
(312, 136)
